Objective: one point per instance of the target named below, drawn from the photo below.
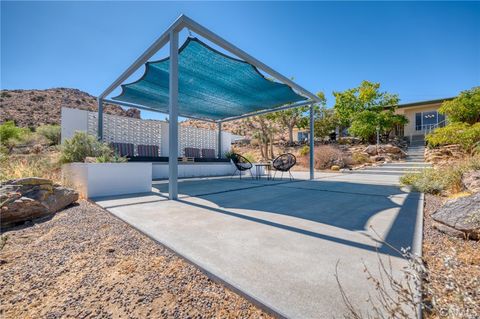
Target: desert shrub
(51, 132)
(20, 166)
(229, 154)
(11, 135)
(9, 130)
(464, 134)
(447, 179)
(81, 146)
(254, 142)
(325, 157)
(107, 158)
(360, 158)
(250, 157)
(305, 150)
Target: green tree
(296, 117)
(464, 108)
(366, 108)
(366, 97)
(325, 122)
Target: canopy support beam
(219, 140)
(141, 107)
(173, 118)
(100, 119)
(280, 108)
(312, 142)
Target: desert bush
(20, 166)
(360, 158)
(447, 179)
(325, 157)
(305, 150)
(81, 146)
(250, 157)
(464, 134)
(9, 130)
(51, 132)
(107, 158)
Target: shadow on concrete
(345, 205)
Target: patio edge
(210, 275)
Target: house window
(428, 120)
(418, 121)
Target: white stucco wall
(73, 120)
(108, 179)
(160, 170)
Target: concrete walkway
(278, 242)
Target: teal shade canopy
(211, 85)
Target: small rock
(110, 250)
(335, 168)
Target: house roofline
(423, 102)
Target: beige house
(423, 117)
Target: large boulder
(460, 217)
(471, 181)
(29, 198)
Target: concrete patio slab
(278, 242)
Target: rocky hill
(31, 108)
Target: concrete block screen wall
(136, 131)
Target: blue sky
(420, 50)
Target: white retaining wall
(160, 170)
(108, 179)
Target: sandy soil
(84, 263)
(453, 287)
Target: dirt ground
(84, 263)
(453, 286)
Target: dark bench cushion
(147, 150)
(123, 149)
(192, 152)
(208, 153)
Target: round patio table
(258, 170)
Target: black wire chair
(241, 164)
(284, 163)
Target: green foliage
(365, 123)
(464, 134)
(326, 122)
(250, 157)
(305, 150)
(365, 108)
(108, 158)
(440, 180)
(81, 146)
(19, 166)
(51, 132)
(229, 154)
(360, 158)
(296, 117)
(9, 130)
(464, 108)
(366, 97)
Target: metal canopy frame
(171, 36)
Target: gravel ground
(84, 263)
(454, 270)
